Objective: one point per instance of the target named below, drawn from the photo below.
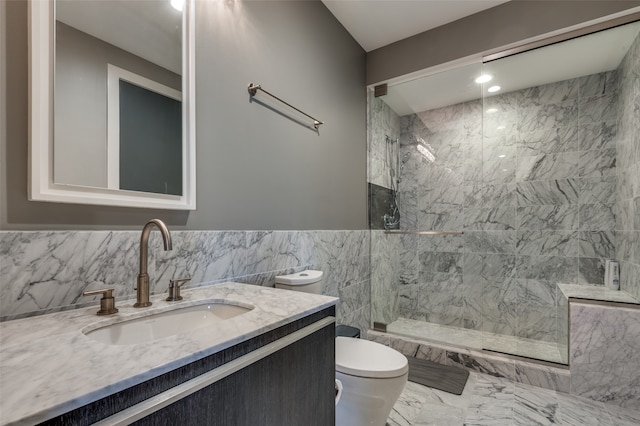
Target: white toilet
(372, 375)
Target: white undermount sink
(167, 323)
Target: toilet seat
(362, 358)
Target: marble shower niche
(534, 180)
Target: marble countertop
(596, 292)
(48, 366)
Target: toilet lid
(362, 358)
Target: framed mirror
(112, 103)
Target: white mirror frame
(41, 186)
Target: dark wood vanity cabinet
(294, 386)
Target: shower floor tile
(488, 400)
(473, 339)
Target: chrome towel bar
(253, 89)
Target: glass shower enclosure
(492, 185)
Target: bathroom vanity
(271, 364)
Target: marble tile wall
(42, 271)
(605, 353)
(628, 172)
(383, 122)
(385, 276)
(385, 260)
(532, 186)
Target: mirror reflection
(117, 95)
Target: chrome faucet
(143, 277)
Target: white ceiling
(591, 54)
(377, 23)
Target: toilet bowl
(372, 375)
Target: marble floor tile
(493, 401)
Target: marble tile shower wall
(533, 189)
(385, 249)
(383, 121)
(628, 168)
(43, 271)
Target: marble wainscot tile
(552, 192)
(205, 256)
(276, 250)
(563, 217)
(605, 353)
(49, 270)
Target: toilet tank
(308, 281)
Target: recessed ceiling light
(501, 127)
(493, 89)
(492, 110)
(177, 4)
(501, 156)
(483, 78)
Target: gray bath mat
(438, 376)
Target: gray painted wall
(483, 32)
(256, 168)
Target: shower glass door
(498, 184)
(425, 154)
